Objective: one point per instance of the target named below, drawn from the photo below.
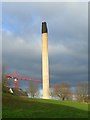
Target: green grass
(16, 107)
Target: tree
(62, 91)
(82, 91)
(33, 89)
(4, 80)
(3, 73)
(51, 90)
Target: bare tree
(82, 91)
(51, 90)
(62, 91)
(37, 93)
(33, 89)
(4, 80)
(3, 74)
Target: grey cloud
(68, 42)
(66, 15)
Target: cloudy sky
(67, 38)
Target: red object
(16, 78)
(16, 83)
(8, 77)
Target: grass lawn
(16, 107)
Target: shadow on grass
(17, 108)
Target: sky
(45, 0)
(67, 24)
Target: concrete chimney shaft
(45, 63)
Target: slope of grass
(16, 107)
